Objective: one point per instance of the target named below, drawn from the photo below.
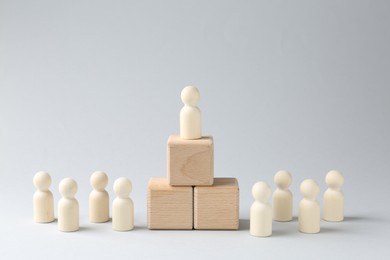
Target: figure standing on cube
(190, 115)
(189, 196)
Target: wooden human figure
(309, 208)
(98, 198)
(68, 206)
(190, 115)
(282, 199)
(43, 203)
(122, 208)
(334, 197)
(261, 211)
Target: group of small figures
(261, 213)
(309, 213)
(68, 206)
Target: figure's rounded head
(122, 187)
(261, 191)
(68, 187)
(190, 95)
(309, 189)
(334, 179)
(283, 179)
(42, 180)
(99, 180)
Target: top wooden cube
(190, 162)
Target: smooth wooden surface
(68, 206)
(333, 197)
(282, 198)
(217, 206)
(190, 115)
(122, 206)
(43, 201)
(261, 211)
(99, 200)
(190, 162)
(169, 207)
(309, 208)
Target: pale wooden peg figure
(190, 115)
(122, 208)
(309, 209)
(98, 198)
(43, 203)
(334, 197)
(261, 211)
(282, 199)
(68, 206)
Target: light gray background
(95, 85)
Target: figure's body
(68, 206)
(309, 209)
(99, 198)
(282, 199)
(190, 115)
(261, 211)
(334, 197)
(43, 202)
(122, 207)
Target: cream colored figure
(334, 197)
(98, 198)
(282, 199)
(43, 202)
(261, 211)
(309, 208)
(68, 206)
(190, 115)
(122, 208)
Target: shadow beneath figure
(140, 228)
(279, 228)
(244, 224)
(45, 223)
(83, 229)
(281, 232)
(284, 228)
(360, 218)
(329, 230)
(101, 223)
(294, 219)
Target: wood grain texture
(217, 206)
(169, 207)
(190, 162)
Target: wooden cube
(190, 162)
(169, 207)
(217, 206)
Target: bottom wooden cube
(217, 206)
(169, 207)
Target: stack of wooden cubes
(189, 197)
